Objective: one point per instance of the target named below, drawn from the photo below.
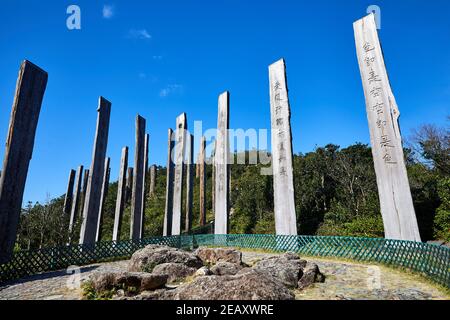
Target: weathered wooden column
(179, 149)
(144, 177)
(96, 173)
(76, 199)
(30, 88)
(202, 176)
(121, 190)
(104, 193)
(213, 178)
(129, 187)
(283, 181)
(84, 189)
(221, 162)
(151, 191)
(189, 181)
(138, 181)
(167, 231)
(69, 193)
(396, 203)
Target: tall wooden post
(396, 203)
(104, 193)
(121, 190)
(202, 176)
(76, 199)
(167, 230)
(144, 178)
(96, 173)
(30, 88)
(69, 193)
(221, 163)
(283, 178)
(213, 178)
(84, 189)
(138, 181)
(189, 181)
(180, 144)
(151, 191)
(129, 187)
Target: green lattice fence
(429, 260)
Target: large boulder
(287, 268)
(129, 281)
(211, 256)
(223, 268)
(175, 271)
(146, 259)
(311, 274)
(251, 285)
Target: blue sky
(161, 58)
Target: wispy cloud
(139, 34)
(108, 11)
(170, 89)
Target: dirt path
(344, 280)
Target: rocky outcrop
(287, 268)
(129, 281)
(252, 285)
(211, 256)
(146, 259)
(175, 271)
(310, 275)
(225, 268)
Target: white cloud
(108, 11)
(171, 88)
(139, 34)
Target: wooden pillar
(151, 191)
(283, 178)
(202, 176)
(121, 190)
(69, 193)
(396, 203)
(129, 187)
(189, 181)
(144, 180)
(213, 178)
(221, 161)
(180, 136)
(104, 193)
(96, 173)
(76, 199)
(167, 230)
(30, 88)
(138, 185)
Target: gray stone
(203, 271)
(149, 257)
(287, 268)
(311, 274)
(225, 268)
(213, 255)
(252, 285)
(175, 271)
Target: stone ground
(344, 280)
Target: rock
(214, 255)
(133, 282)
(203, 271)
(252, 285)
(286, 267)
(225, 268)
(103, 281)
(175, 271)
(146, 259)
(310, 275)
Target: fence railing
(429, 260)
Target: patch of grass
(89, 292)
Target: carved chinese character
(373, 77)
(376, 92)
(385, 142)
(368, 47)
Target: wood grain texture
(30, 88)
(283, 180)
(74, 210)
(95, 181)
(396, 204)
(121, 190)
